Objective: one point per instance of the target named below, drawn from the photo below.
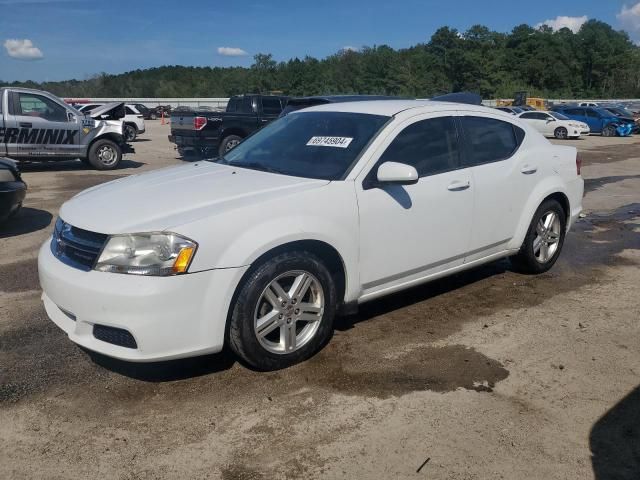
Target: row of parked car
(574, 120)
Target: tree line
(595, 62)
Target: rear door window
(271, 106)
(534, 116)
(431, 146)
(578, 112)
(489, 140)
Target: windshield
(558, 116)
(322, 145)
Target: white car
(319, 211)
(133, 121)
(554, 124)
(588, 104)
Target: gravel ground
(485, 375)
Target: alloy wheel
(547, 239)
(289, 312)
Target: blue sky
(63, 39)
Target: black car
(12, 189)
(298, 103)
(145, 111)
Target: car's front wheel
(544, 239)
(129, 133)
(284, 311)
(104, 154)
(609, 131)
(561, 133)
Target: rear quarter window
(489, 140)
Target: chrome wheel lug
(297, 312)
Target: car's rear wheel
(129, 132)
(104, 154)
(561, 133)
(609, 131)
(544, 239)
(228, 143)
(283, 312)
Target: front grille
(76, 247)
(115, 336)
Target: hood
(167, 198)
(110, 111)
(8, 164)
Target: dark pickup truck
(209, 133)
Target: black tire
(98, 160)
(561, 133)
(129, 132)
(243, 338)
(228, 143)
(153, 116)
(609, 131)
(526, 261)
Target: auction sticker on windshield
(339, 142)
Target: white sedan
(554, 124)
(322, 210)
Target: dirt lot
(486, 375)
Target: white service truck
(38, 126)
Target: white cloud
(23, 49)
(572, 23)
(231, 52)
(629, 17)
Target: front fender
(237, 237)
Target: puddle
(441, 369)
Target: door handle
(529, 170)
(458, 186)
(26, 124)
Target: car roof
(390, 108)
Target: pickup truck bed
(209, 133)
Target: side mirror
(71, 117)
(397, 174)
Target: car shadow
(27, 220)
(168, 370)
(421, 293)
(615, 441)
(71, 165)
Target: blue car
(599, 120)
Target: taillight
(199, 122)
(578, 164)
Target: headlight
(7, 175)
(157, 254)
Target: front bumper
(169, 317)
